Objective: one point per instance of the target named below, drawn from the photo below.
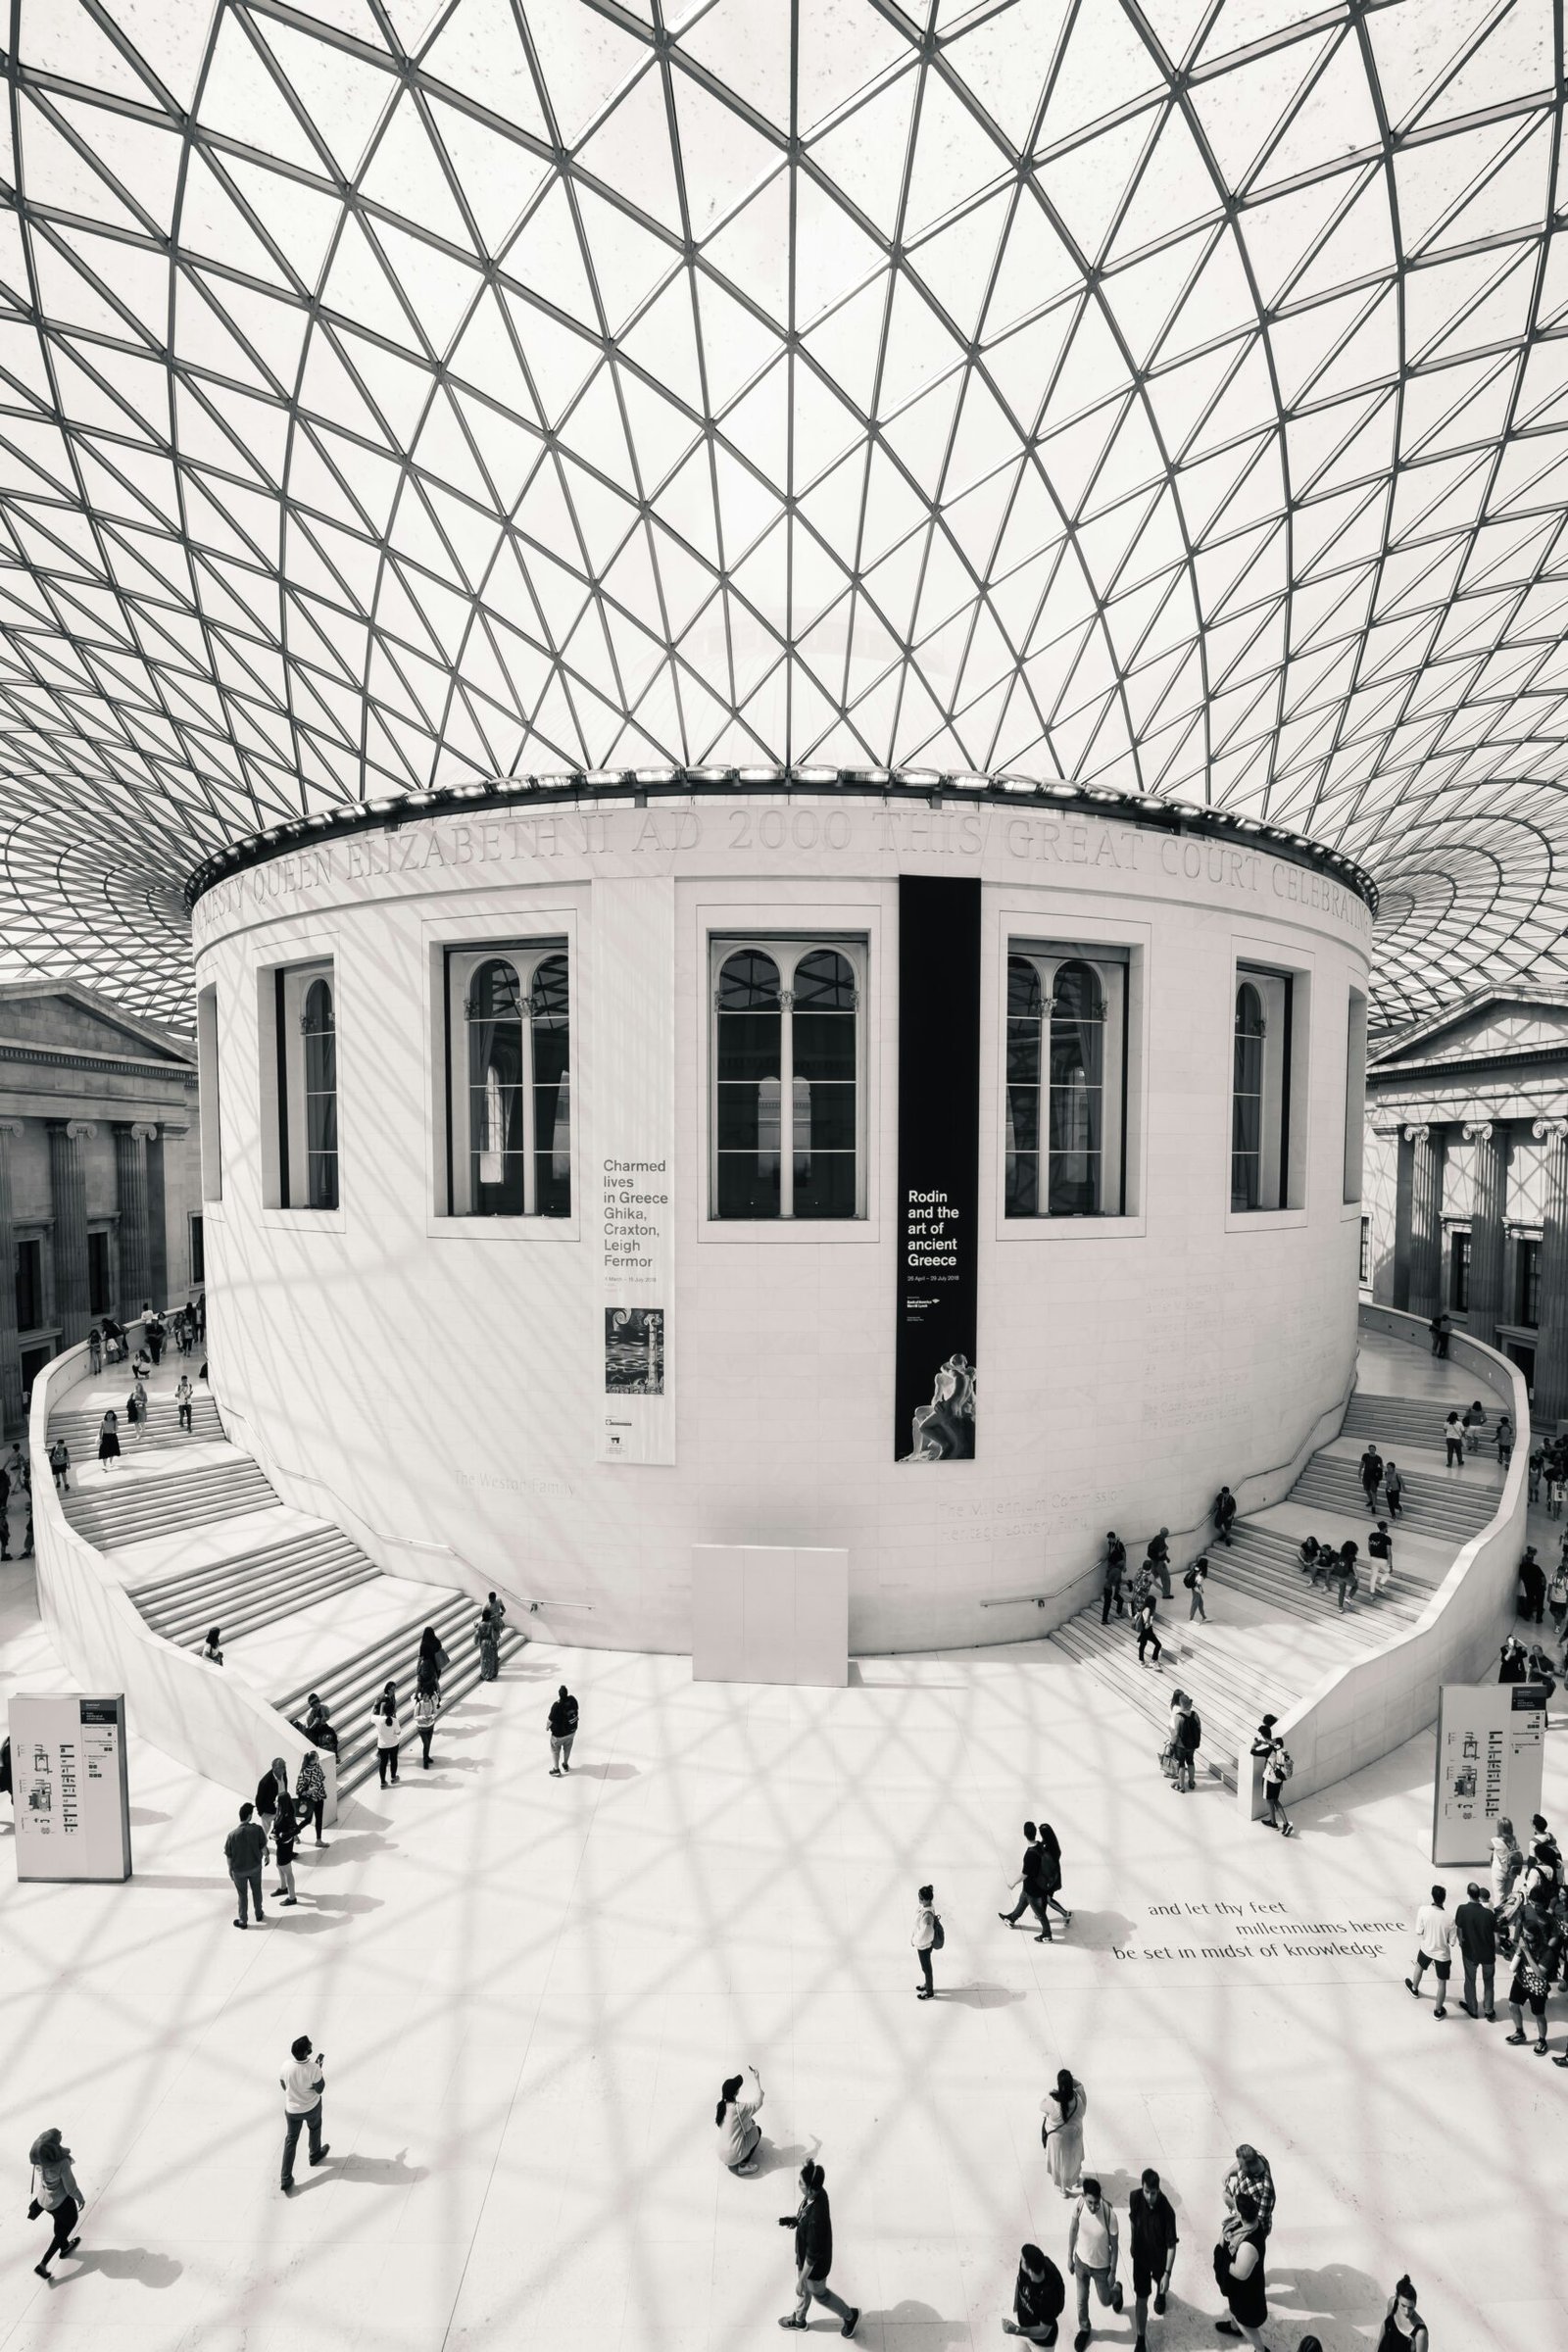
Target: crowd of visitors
(1521, 1918)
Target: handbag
(1167, 1760)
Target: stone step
(157, 1506)
(391, 1655)
(1279, 1579)
(1428, 1505)
(1148, 1688)
(246, 1608)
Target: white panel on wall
(822, 1617)
(766, 1613)
(718, 1614)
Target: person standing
(1403, 2328)
(95, 1351)
(1144, 1628)
(1196, 1579)
(1251, 2172)
(740, 2134)
(562, 1732)
(285, 1837)
(426, 1707)
(211, 1648)
(309, 1790)
(812, 2224)
(1092, 2246)
(1038, 2298)
(304, 2081)
(1504, 1442)
(1475, 1421)
(1393, 1489)
(1239, 2268)
(184, 1395)
(1224, 1516)
(1114, 1569)
(498, 1612)
(57, 2192)
(1151, 2228)
(927, 1937)
(1557, 1599)
(1275, 1758)
(1454, 1441)
(269, 1789)
(108, 1439)
(1439, 1328)
(1532, 1587)
(1061, 2133)
(1477, 1932)
(1507, 1860)
(1187, 1738)
(487, 1634)
(387, 1725)
(1435, 1937)
(245, 1852)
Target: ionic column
(1488, 1205)
(131, 1140)
(1552, 1340)
(1426, 1220)
(1404, 1155)
(9, 1351)
(68, 1188)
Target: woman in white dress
(740, 2134)
(1063, 2132)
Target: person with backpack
(812, 2224)
(1195, 1579)
(927, 1937)
(1277, 1770)
(1187, 1738)
(60, 1464)
(562, 1732)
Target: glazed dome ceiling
(1164, 395)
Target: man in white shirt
(1092, 2250)
(1434, 1936)
(303, 2086)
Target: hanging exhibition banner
(70, 1786)
(939, 1169)
(1491, 1745)
(630, 1180)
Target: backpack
(1190, 1579)
(939, 1934)
(1278, 1767)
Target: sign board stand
(71, 1789)
(1492, 1739)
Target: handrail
(1359, 1711)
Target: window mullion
(786, 1089)
(525, 981)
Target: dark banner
(939, 1154)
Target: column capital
(140, 1131)
(10, 1126)
(1542, 1129)
(74, 1129)
(1417, 1135)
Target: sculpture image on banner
(634, 1351)
(1491, 1750)
(944, 1429)
(71, 1789)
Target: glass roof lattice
(1163, 395)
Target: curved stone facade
(572, 1399)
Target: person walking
(1278, 1767)
(1531, 1981)
(1393, 1489)
(1476, 1930)
(1116, 1567)
(1532, 1587)
(433, 1661)
(1093, 2247)
(1380, 1551)
(1195, 1580)
(1144, 1628)
(1504, 1441)
(1535, 1466)
(498, 1612)
(95, 1351)
(57, 2192)
(1435, 1937)
(812, 2224)
(1031, 1896)
(60, 1464)
(1439, 1328)
(1342, 1573)
(927, 1937)
(562, 1732)
(1224, 1516)
(387, 1725)
(1557, 1599)
(304, 2081)
(1371, 1477)
(285, 1838)
(184, 1394)
(1238, 2269)
(740, 2134)
(1051, 1874)
(1403, 2328)
(1187, 1738)
(1151, 2228)
(1038, 2298)
(1475, 1421)
(1061, 2133)
(108, 1439)
(309, 1792)
(426, 1707)
(1158, 1558)
(1454, 1441)
(487, 1634)
(245, 1852)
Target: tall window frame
(1263, 1049)
(1458, 1269)
(209, 1092)
(507, 1006)
(307, 1089)
(786, 1025)
(1065, 1109)
(1526, 1282)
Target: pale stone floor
(529, 1990)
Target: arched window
(493, 1013)
(1066, 1043)
(510, 1011)
(318, 1028)
(1247, 1101)
(786, 1116)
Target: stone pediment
(1497, 1026)
(66, 1018)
